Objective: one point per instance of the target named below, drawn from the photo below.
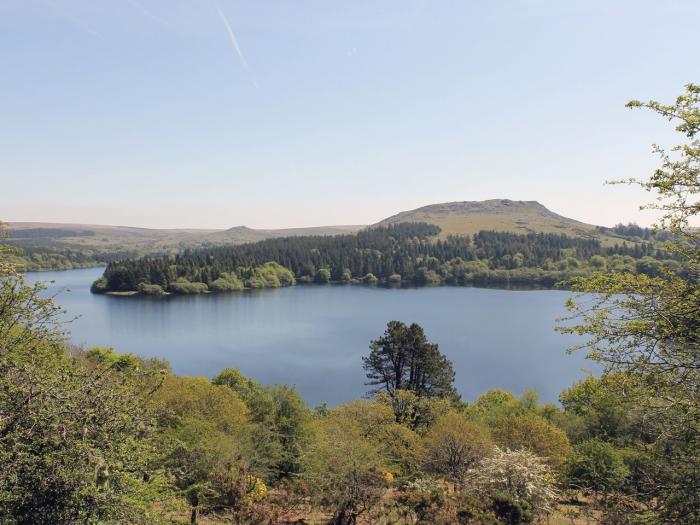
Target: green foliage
(184, 287)
(76, 439)
(148, 289)
(602, 407)
(257, 398)
(597, 465)
(344, 469)
(292, 426)
(269, 275)
(99, 286)
(370, 278)
(403, 359)
(534, 433)
(206, 427)
(414, 411)
(645, 326)
(454, 445)
(281, 423)
(511, 511)
(322, 276)
(227, 282)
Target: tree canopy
(404, 359)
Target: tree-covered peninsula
(408, 253)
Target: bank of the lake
(313, 337)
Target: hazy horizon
(293, 227)
(172, 114)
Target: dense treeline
(408, 253)
(633, 230)
(36, 258)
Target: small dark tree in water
(404, 359)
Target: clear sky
(198, 113)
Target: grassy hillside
(502, 215)
(470, 217)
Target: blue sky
(184, 113)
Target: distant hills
(130, 238)
(98, 244)
(470, 217)
(239, 234)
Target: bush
(150, 289)
(511, 511)
(454, 445)
(184, 287)
(520, 476)
(534, 433)
(100, 285)
(227, 282)
(345, 469)
(394, 278)
(270, 275)
(425, 276)
(597, 465)
(322, 276)
(370, 278)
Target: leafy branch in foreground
(649, 326)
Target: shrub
(370, 278)
(227, 282)
(270, 275)
(184, 287)
(322, 276)
(520, 476)
(150, 289)
(100, 285)
(425, 276)
(597, 465)
(345, 469)
(454, 445)
(534, 433)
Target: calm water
(313, 337)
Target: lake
(313, 337)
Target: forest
(406, 253)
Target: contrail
(232, 36)
(147, 13)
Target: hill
(240, 234)
(127, 237)
(470, 217)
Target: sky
(291, 113)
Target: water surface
(314, 337)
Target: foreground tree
(76, 438)
(454, 445)
(403, 359)
(648, 328)
(345, 468)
